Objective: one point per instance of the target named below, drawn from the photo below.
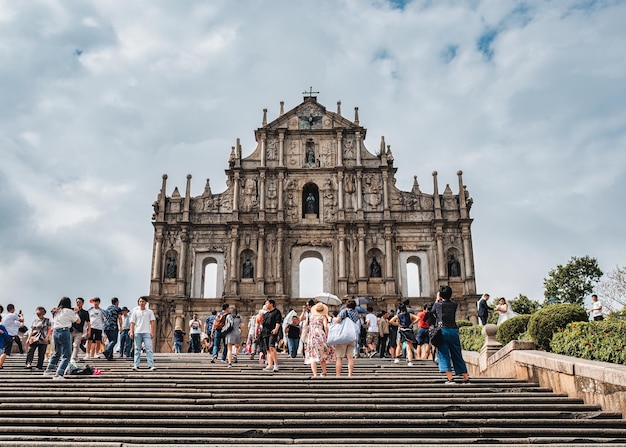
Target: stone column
(279, 260)
(260, 258)
(388, 254)
(281, 181)
(156, 274)
(339, 148)
(263, 138)
(340, 190)
(342, 252)
(467, 249)
(361, 239)
(236, 192)
(358, 148)
(462, 204)
(359, 190)
(234, 256)
(281, 148)
(436, 199)
(441, 261)
(182, 268)
(385, 190)
(262, 191)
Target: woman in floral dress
(317, 350)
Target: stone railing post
(490, 347)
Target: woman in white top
(64, 316)
(505, 312)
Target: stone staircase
(190, 402)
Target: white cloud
(104, 98)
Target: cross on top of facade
(310, 92)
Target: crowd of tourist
(116, 332)
(71, 330)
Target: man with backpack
(216, 332)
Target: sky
(100, 99)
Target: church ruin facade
(310, 189)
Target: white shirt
(64, 318)
(596, 311)
(197, 329)
(96, 317)
(142, 319)
(372, 323)
(11, 321)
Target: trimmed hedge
(463, 323)
(512, 328)
(547, 321)
(604, 341)
(471, 337)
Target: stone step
(190, 401)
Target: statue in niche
(248, 269)
(310, 153)
(310, 204)
(375, 270)
(271, 150)
(170, 267)
(349, 150)
(272, 194)
(454, 266)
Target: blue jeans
(146, 340)
(217, 341)
(112, 337)
(292, 346)
(178, 347)
(449, 352)
(62, 350)
(125, 344)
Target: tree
(613, 289)
(524, 305)
(572, 282)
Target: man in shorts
(270, 334)
(94, 342)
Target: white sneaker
(267, 368)
(396, 361)
(49, 372)
(58, 378)
(135, 368)
(410, 364)
(153, 368)
(275, 368)
(87, 357)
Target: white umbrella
(287, 320)
(328, 298)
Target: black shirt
(84, 317)
(271, 319)
(446, 313)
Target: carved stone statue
(248, 269)
(310, 204)
(170, 268)
(310, 153)
(454, 266)
(375, 270)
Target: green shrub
(597, 340)
(471, 338)
(545, 323)
(463, 323)
(512, 328)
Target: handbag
(435, 335)
(345, 331)
(33, 339)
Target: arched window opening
(311, 277)
(209, 280)
(413, 277)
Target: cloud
(104, 97)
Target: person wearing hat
(317, 350)
(125, 342)
(178, 339)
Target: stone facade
(310, 189)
